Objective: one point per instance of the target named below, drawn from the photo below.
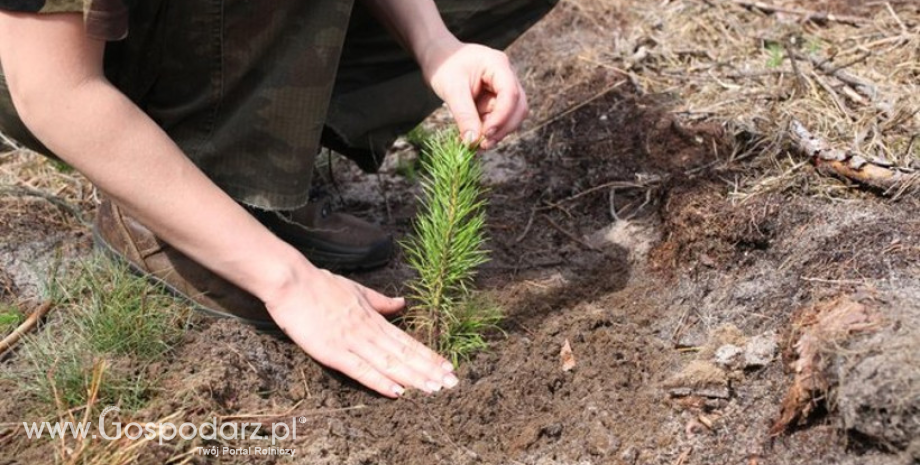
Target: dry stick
(682, 459)
(865, 56)
(54, 200)
(31, 322)
(9, 142)
(849, 165)
(533, 213)
(834, 95)
(612, 184)
(570, 110)
(810, 15)
(800, 78)
(568, 234)
(864, 87)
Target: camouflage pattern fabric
(104, 19)
(249, 90)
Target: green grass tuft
(122, 314)
(104, 316)
(775, 55)
(10, 318)
(446, 249)
(419, 137)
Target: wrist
(431, 53)
(286, 275)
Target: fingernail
(433, 386)
(470, 137)
(447, 366)
(450, 381)
(398, 390)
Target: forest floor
(729, 296)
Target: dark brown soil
(627, 317)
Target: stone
(760, 351)
(730, 356)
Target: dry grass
(854, 83)
(756, 72)
(27, 177)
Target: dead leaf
(568, 358)
(823, 327)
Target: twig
(800, 78)
(288, 412)
(444, 433)
(833, 94)
(570, 110)
(31, 322)
(386, 197)
(54, 200)
(864, 87)
(9, 142)
(533, 213)
(850, 165)
(834, 281)
(568, 234)
(682, 459)
(809, 15)
(865, 56)
(614, 184)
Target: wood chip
(567, 357)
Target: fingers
(420, 358)
(417, 364)
(514, 121)
(460, 102)
(399, 365)
(388, 360)
(340, 324)
(394, 353)
(504, 84)
(361, 371)
(381, 303)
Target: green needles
(446, 249)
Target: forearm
(416, 24)
(108, 139)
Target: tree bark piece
(850, 165)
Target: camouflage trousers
(251, 89)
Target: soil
(612, 227)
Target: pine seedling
(446, 249)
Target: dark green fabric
(104, 19)
(249, 89)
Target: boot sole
(100, 244)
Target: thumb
(461, 105)
(381, 303)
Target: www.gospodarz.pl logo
(168, 431)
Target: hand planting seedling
(446, 248)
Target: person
(200, 121)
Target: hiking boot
(123, 238)
(330, 240)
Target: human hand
(479, 86)
(340, 324)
